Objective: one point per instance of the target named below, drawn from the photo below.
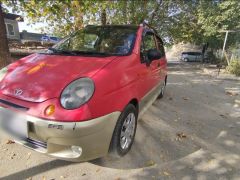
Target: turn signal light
(49, 110)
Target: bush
(234, 67)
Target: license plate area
(18, 128)
(14, 124)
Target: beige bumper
(72, 141)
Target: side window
(148, 42)
(160, 46)
(10, 29)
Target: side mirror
(153, 54)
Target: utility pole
(225, 40)
(224, 44)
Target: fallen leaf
(150, 163)
(166, 173)
(231, 93)
(185, 98)
(84, 174)
(223, 116)
(180, 136)
(13, 155)
(29, 155)
(10, 142)
(170, 98)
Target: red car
(82, 98)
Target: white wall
(16, 35)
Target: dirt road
(192, 133)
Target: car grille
(21, 108)
(36, 143)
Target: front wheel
(124, 132)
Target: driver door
(149, 42)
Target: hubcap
(127, 131)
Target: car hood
(40, 77)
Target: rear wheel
(124, 132)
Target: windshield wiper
(74, 53)
(58, 51)
(91, 53)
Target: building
(13, 34)
(11, 22)
(30, 37)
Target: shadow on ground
(37, 170)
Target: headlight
(77, 93)
(3, 73)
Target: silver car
(191, 56)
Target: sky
(30, 27)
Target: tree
(63, 17)
(4, 50)
(195, 21)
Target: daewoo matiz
(81, 98)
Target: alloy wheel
(127, 131)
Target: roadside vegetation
(234, 67)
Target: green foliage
(234, 67)
(195, 21)
(215, 16)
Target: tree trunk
(124, 11)
(103, 17)
(155, 12)
(4, 50)
(132, 13)
(77, 7)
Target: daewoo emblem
(18, 92)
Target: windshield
(98, 40)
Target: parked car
(191, 56)
(82, 98)
(49, 40)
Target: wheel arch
(135, 102)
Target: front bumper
(61, 139)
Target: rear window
(54, 38)
(192, 53)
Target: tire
(186, 59)
(120, 145)
(162, 91)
